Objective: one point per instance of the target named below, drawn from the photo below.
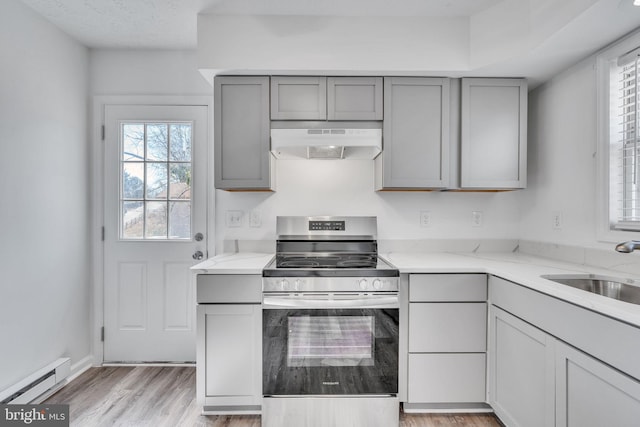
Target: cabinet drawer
(447, 327)
(454, 378)
(230, 288)
(447, 287)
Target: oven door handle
(369, 301)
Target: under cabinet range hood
(326, 140)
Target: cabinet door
(298, 98)
(415, 134)
(592, 394)
(521, 371)
(494, 133)
(241, 110)
(354, 98)
(229, 355)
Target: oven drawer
(229, 288)
(447, 327)
(447, 287)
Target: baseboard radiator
(36, 384)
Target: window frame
(604, 232)
(145, 199)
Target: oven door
(330, 344)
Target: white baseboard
(77, 369)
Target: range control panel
(326, 225)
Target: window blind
(625, 163)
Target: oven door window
(330, 351)
(330, 341)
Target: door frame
(96, 162)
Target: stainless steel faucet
(628, 247)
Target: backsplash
(596, 257)
(346, 187)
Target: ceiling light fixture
(636, 2)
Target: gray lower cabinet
(446, 341)
(229, 344)
(552, 363)
(415, 134)
(493, 133)
(590, 393)
(241, 133)
(521, 366)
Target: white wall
(146, 72)
(346, 187)
(333, 43)
(44, 182)
(562, 161)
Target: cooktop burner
(339, 261)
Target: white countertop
(516, 267)
(522, 269)
(236, 263)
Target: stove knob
(363, 284)
(377, 284)
(284, 284)
(296, 285)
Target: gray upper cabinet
(241, 116)
(493, 133)
(326, 98)
(298, 98)
(415, 134)
(354, 98)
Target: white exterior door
(155, 207)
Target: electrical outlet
(476, 219)
(425, 218)
(255, 218)
(234, 218)
(556, 220)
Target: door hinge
(102, 334)
(102, 233)
(102, 132)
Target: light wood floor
(165, 396)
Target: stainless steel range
(330, 326)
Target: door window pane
(180, 143)
(132, 180)
(156, 180)
(155, 191)
(180, 184)
(132, 142)
(157, 142)
(155, 220)
(132, 220)
(179, 220)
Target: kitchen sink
(621, 289)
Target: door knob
(198, 255)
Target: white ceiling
(171, 24)
(552, 34)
